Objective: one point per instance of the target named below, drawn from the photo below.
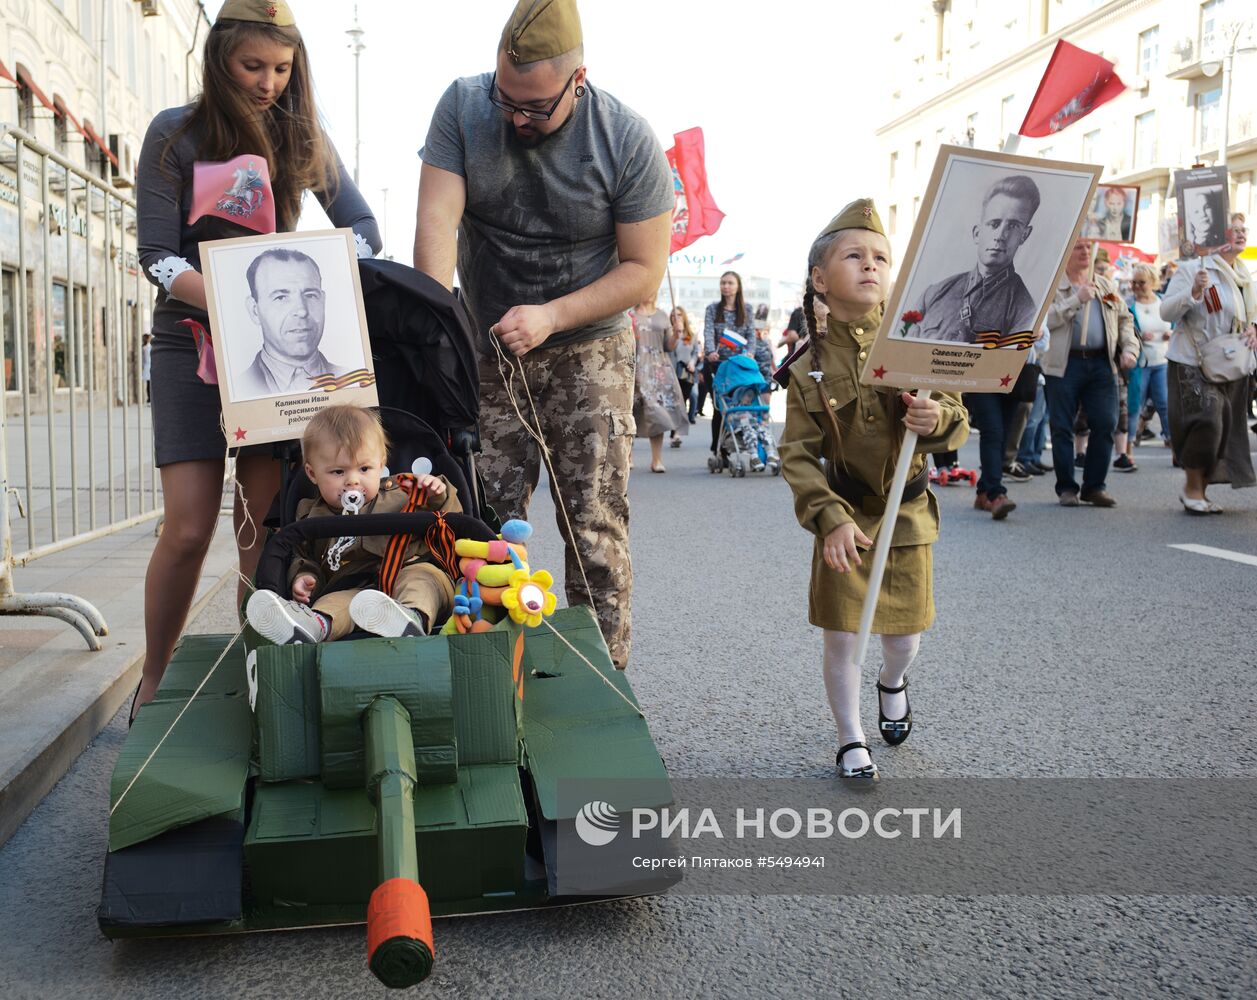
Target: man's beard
(531, 140)
(538, 138)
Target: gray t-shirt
(540, 222)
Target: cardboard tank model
(370, 779)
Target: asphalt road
(1069, 642)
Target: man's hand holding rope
(524, 328)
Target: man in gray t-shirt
(555, 201)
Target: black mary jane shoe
(894, 731)
(866, 775)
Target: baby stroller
(385, 780)
(746, 437)
(424, 355)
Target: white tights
(842, 684)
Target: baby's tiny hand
(430, 483)
(303, 587)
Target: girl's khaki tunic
(868, 418)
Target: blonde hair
(688, 335)
(1149, 272)
(346, 428)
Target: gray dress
(186, 411)
(658, 406)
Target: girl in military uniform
(838, 454)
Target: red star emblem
(879, 372)
(240, 433)
(271, 11)
(867, 211)
(1005, 380)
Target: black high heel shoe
(894, 731)
(856, 775)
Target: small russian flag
(735, 257)
(733, 341)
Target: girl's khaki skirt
(906, 606)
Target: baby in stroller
(746, 439)
(344, 449)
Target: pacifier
(351, 501)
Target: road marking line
(1207, 550)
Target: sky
(787, 94)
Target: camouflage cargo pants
(584, 399)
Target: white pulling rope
(249, 521)
(153, 753)
(539, 437)
(239, 494)
(603, 677)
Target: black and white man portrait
(286, 300)
(989, 297)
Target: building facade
(81, 79)
(971, 68)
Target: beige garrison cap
(275, 12)
(860, 214)
(541, 29)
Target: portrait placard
(1202, 196)
(289, 330)
(986, 254)
(1113, 213)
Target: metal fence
(76, 457)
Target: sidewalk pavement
(55, 694)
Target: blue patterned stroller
(746, 438)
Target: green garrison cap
(274, 12)
(541, 29)
(860, 214)
(1103, 254)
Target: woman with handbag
(1213, 304)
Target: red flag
(1075, 83)
(238, 190)
(695, 213)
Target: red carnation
(910, 319)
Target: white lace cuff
(169, 268)
(363, 247)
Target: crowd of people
(731, 328)
(1120, 353)
(1097, 382)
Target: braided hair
(815, 258)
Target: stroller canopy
(423, 348)
(739, 372)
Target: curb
(29, 786)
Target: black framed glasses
(529, 113)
